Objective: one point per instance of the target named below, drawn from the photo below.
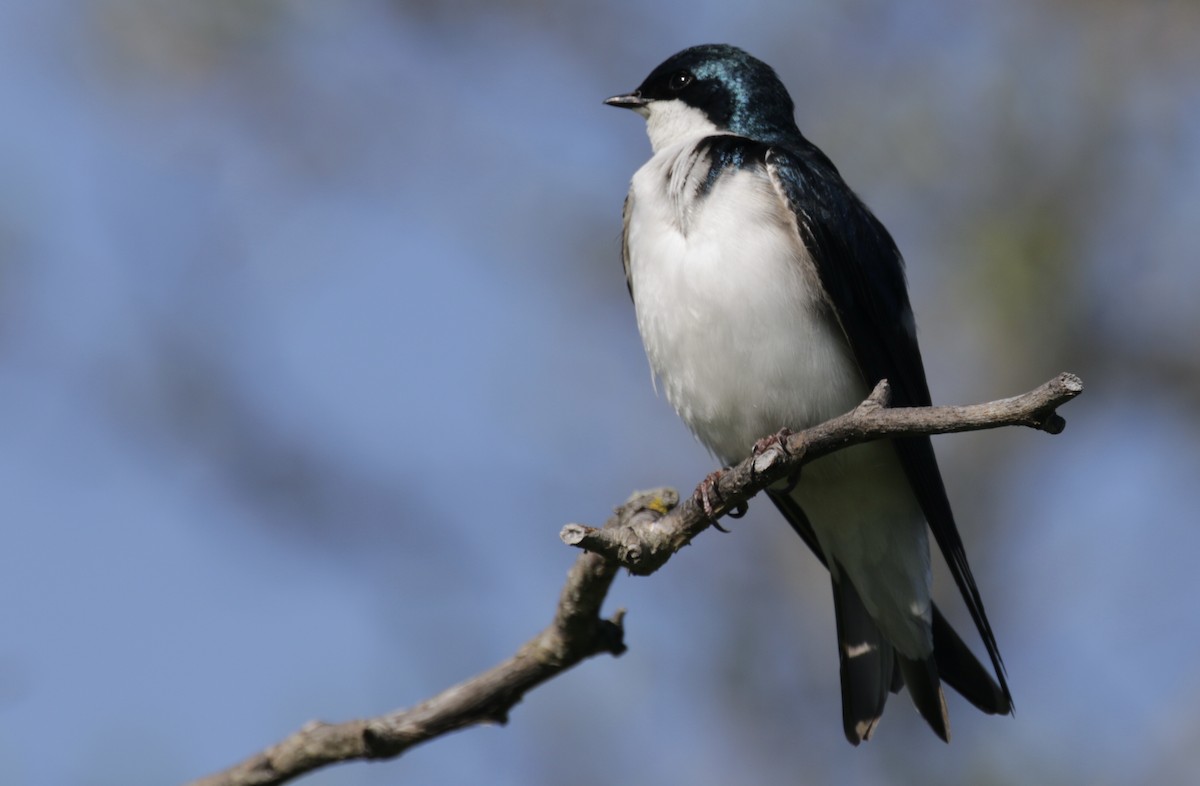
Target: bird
(769, 299)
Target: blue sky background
(313, 334)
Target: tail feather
(867, 664)
(921, 679)
(866, 679)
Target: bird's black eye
(680, 80)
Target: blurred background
(313, 333)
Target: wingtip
(960, 669)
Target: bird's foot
(779, 440)
(710, 500)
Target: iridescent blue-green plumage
(741, 93)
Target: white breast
(729, 306)
(739, 335)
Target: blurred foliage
(162, 41)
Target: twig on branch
(641, 536)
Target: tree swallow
(768, 296)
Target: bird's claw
(707, 491)
(710, 499)
(779, 440)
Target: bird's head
(711, 89)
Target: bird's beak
(632, 101)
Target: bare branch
(576, 633)
(641, 536)
(644, 548)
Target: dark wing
(863, 274)
(626, 211)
